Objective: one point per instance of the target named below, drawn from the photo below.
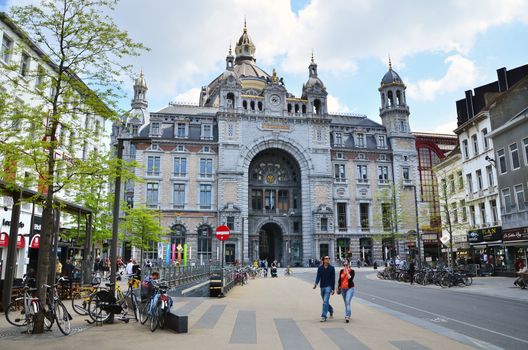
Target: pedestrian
(345, 287)
(58, 267)
(411, 270)
(518, 265)
(326, 279)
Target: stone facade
(292, 181)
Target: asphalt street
(492, 320)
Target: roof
(354, 120)
(180, 108)
(391, 77)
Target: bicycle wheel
(135, 305)
(15, 313)
(468, 280)
(161, 317)
(445, 282)
(63, 318)
(80, 303)
(143, 313)
(154, 319)
(98, 306)
(31, 311)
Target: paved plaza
(279, 313)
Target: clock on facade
(275, 100)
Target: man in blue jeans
(326, 279)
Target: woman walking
(346, 287)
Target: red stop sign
(222, 232)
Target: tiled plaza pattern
(280, 313)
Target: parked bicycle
(156, 307)
(103, 303)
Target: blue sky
(440, 49)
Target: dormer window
(360, 140)
(361, 156)
(181, 130)
(338, 139)
(206, 149)
(155, 130)
(180, 148)
(154, 147)
(207, 131)
(381, 141)
(339, 155)
(135, 130)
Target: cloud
(335, 106)
(191, 96)
(460, 75)
(189, 40)
(446, 128)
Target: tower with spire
(315, 91)
(394, 111)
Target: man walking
(326, 279)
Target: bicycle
(21, 312)
(56, 310)
(81, 297)
(102, 303)
(157, 307)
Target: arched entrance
(270, 243)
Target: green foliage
(141, 226)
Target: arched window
(390, 98)
(289, 107)
(304, 109)
(252, 105)
(398, 98)
(259, 105)
(244, 104)
(296, 108)
(177, 234)
(230, 100)
(317, 106)
(204, 244)
(382, 100)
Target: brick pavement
(280, 313)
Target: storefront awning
(516, 243)
(4, 239)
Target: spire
(245, 49)
(229, 58)
(312, 68)
(390, 63)
(140, 92)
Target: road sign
(222, 232)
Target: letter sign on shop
(222, 232)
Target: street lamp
(242, 244)
(417, 227)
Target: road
(497, 321)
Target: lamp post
(417, 228)
(242, 244)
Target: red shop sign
(21, 241)
(4, 239)
(35, 242)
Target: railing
(180, 275)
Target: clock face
(270, 178)
(275, 100)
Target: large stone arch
(306, 167)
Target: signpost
(222, 233)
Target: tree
(140, 226)
(80, 40)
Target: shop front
(486, 243)
(515, 244)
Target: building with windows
(291, 180)
(35, 67)
(509, 121)
(481, 159)
(431, 149)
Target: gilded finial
(230, 48)
(390, 63)
(274, 77)
(245, 25)
(312, 57)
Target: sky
(439, 48)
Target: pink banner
(173, 252)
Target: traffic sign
(222, 232)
